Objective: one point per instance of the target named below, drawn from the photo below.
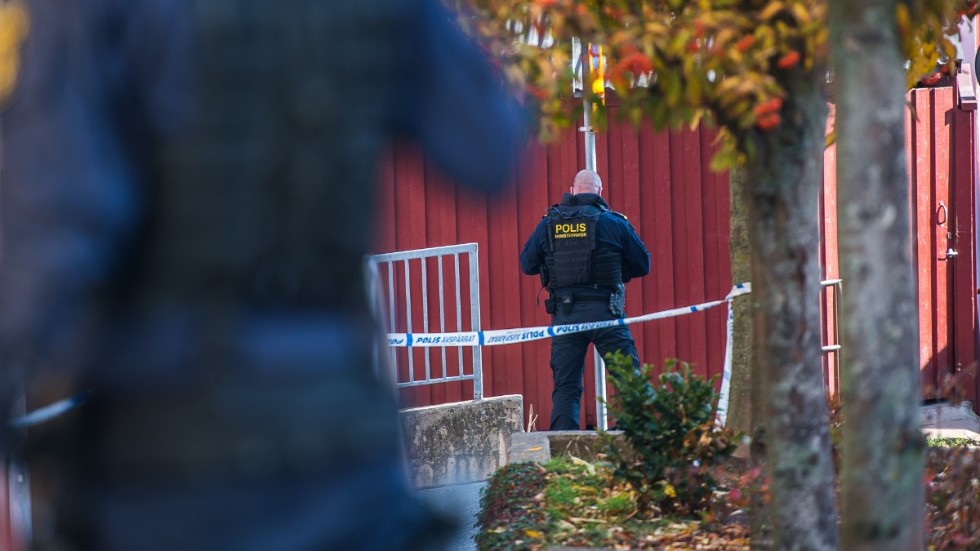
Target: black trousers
(568, 358)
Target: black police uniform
(585, 253)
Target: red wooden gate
(941, 160)
(940, 141)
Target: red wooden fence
(661, 181)
(680, 208)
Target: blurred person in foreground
(185, 204)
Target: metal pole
(585, 62)
(589, 134)
(475, 323)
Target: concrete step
(950, 421)
(460, 442)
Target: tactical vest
(266, 199)
(572, 258)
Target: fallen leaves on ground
(574, 503)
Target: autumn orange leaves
(767, 114)
(676, 63)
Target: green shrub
(673, 441)
(951, 442)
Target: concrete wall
(460, 442)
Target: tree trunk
(747, 393)
(783, 185)
(740, 391)
(882, 455)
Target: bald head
(586, 181)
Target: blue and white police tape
(527, 334)
(726, 374)
(472, 338)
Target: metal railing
(832, 349)
(602, 415)
(392, 288)
(835, 346)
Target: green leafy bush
(951, 442)
(673, 442)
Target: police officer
(584, 253)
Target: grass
(950, 442)
(572, 503)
